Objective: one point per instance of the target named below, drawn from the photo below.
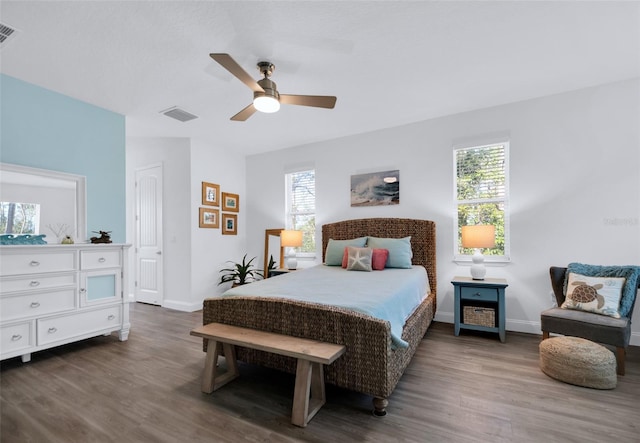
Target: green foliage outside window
(481, 192)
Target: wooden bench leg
(309, 393)
(212, 381)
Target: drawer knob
(34, 263)
(52, 330)
(35, 304)
(102, 260)
(477, 294)
(16, 337)
(34, 283)
(111, 317)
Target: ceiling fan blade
(317, 101)
(244, 114)
(230, 65)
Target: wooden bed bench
(309, 393)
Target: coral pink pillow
(378, 261)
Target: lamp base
(292, 263)
(478, 271)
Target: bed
(373, 363)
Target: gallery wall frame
(229, 224)
(210, 194)
(209, 218)
(230, 202)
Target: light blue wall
(44, 129)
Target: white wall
(193, 256)
(575, 187)
(209, 248)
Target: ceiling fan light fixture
(265, 103)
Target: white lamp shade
(267, 104)
(290, 238)
(478, 236)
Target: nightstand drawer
(476, 293)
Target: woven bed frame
(370, 365)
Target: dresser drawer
(14, 307)
(30, 262)
(36, 281)
(83, 323)
(483, 294)
(16, 337)
(99, 259)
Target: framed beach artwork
(210, 194)
(229, 224)
(230, 202)
(209, 218)
(376, 189)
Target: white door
(148, 284)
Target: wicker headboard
(422, 232)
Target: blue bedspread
(391, 294)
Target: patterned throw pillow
(378, 258)
(600, 295)
(359, 259)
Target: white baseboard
(528, 327)
(181, 306)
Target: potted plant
(240, 273)
(271, 266)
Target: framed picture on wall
(230, 202)
(210, 194)
(376, 189)
(229, 224)
(209, 218)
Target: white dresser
(51, 295)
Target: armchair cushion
(594, 327)
(630, 273)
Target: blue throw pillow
(630, 273)
(400, 253)
(335, 249)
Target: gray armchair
(595, 327)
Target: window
(301, 208)
(19, 218)
(482, 196)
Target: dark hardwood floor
(470, 388)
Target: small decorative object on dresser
(480, 305)
(105, 237)
(57, 294)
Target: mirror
(268, 252)
(58, 200)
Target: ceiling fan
(266, 97)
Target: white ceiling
(388, 62)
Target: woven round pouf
(579, 362)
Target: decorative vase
(67, 240)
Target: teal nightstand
(480, 305)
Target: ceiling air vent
(7, 34)
(178, 114)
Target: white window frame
(288, 213)
(464, 258)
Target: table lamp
(291, 239)
(478, 237)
